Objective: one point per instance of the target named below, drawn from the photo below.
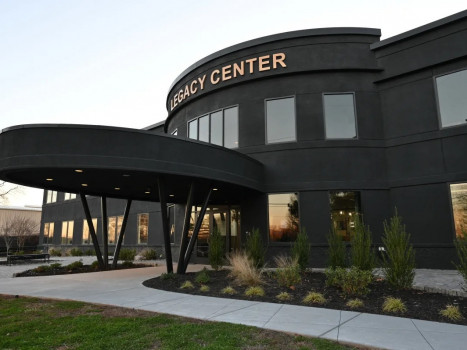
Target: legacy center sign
(227, 72)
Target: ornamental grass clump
(461, 249)
(187, 285)
(351, 281)
(399, 259)
(244, 271)
(287, 272)
(74, 266)
(284, 296)
(76, 252)
(55, 252)
(216, 249)
(202, 277)
(255, 248)
(361, 253)
(204, 288)
(255, 291)
(452, 313)
(229, 290)
(314, 298)
(355, 303)
(127, 254)
(148, 254)
(394, 305)
(336, 251)
(301, 250)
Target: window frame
(357, 136)
(68, 238)
(266, 119)
(438, 109)
(359, 204)
(276, 243)
(49, 238)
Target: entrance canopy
(123, 163)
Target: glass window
(452, 98)
(193, 129)
(143, 223)
(48, 232)
(86, 235)
(339, 116)
(114, 227)
(231, 127)
(280, 120)
(51, 196)
(234, 229)
(344, 208)
(217, 128)
(171, 210)
(69, 196)
(204, 128)
(283, 217)
(459, 207)
(67, 232)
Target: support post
(105, 231)
(196, 229)
(92, 231)
(165, 224)
(186, 227)
(121, 234)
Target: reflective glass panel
(339, 116)
(231, 127)
(344, 208)
(280, 120)
(283, 217)
(452, 98)
(171, 210)
(459, 207)
(216, 128)
(112, 226)
(143, 222)
(203, 128)
(67, 232)
(48, 232)
(86, 235)
(234, 229)
(193, 129)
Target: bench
(11, 258)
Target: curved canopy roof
(123, 163)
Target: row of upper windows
(221, 127)
(52, 196)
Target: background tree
(6, 190)
(6, 233)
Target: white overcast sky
(111, 62)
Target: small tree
(399, 260)
(23, 228)
(361, 252)
(301, 249)
(216, 249)
(461, 249)
(255, 248)
(336, 250)
(6, 232)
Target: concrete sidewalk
(124, 288)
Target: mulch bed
(420, 305)
(63, 270)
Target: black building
(299, 130)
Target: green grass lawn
(30, 323)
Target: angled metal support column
(186, 227)
(92, 231)
(194, 236)
(121, 234)
(105, 231)
(165, 224)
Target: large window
(459, 207)
(48, 232)
(86, 236)
(339, 116)
(345, 206)
(283, 217)
(67, 232)
(452, 98)
(69, 196)
(280, 120)
(114, 227)
(219, 128)
(51, 196)
(143, 224)
(171, 210)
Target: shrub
(216, 249)
(55, 252)
(148, 254)
(255, 248)
(168, 276)
(284, 296)
(55, 265)
(461, 249)
(362, 255)
(314, 298)
(287, 273)
(95, 265)
(204, 288)
(452, 313)
(244, 270)
(187, 285)
(336, 250)
(301, 249)
(255, 291)
(89, 252)
(354, 303)
(202, 277)
(229, 290)
(399, 259)
(351, 281)
(76, 252)
(127, 264)
(74, 265)
(42, 268)
(127, 254)
(394, 305)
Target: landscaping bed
(420, 305)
